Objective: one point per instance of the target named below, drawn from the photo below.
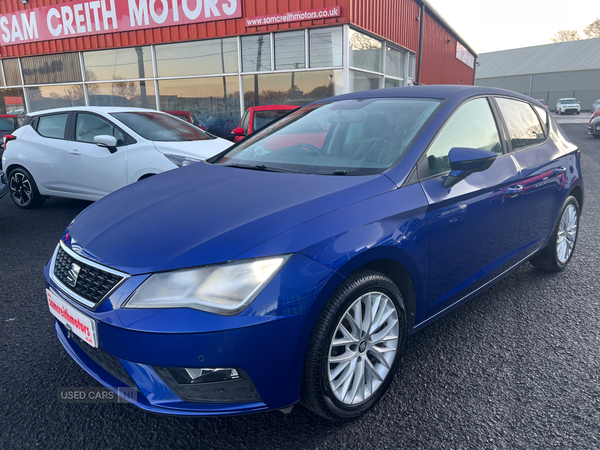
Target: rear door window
(53, 126)
(524, 127)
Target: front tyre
(355, 347)
(558, 253)
(23, 190)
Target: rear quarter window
(53, 126)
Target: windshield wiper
(261, 167)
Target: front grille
(107, 361)
(90, 283)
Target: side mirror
(238, 132)
(465, 161)
(106, 141)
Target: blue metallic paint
(451, 242)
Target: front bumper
(594, 129)
(267, 348)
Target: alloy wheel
(20, 188)
(363, 348)
(567, 234)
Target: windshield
(156, 126)
(345, 137)
(569, 102)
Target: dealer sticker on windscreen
(77, 323)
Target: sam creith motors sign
(85, 18)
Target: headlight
(221, 289)
(182, 160)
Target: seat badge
(73, 274)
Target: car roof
(96, 109)
(276, 107)
(438, 92)
(567, 98)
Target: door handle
(559, 171)
(514, 191)
(74, 152)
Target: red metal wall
(231, 27)
(440, 65)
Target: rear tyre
(558, 253)
(23, 190)
(355, 347)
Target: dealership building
(215, 58)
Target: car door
(474, 224)
(95, 171)
(43, 149)
(545, 169)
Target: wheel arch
(577, 192)
(148, 175)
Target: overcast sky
(492, 25)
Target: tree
(566, 36)
(592, 30)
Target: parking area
(517, 367)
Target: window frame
(422, 166)
(128, 140)
(67, 124)
(507, 133)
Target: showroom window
(326, 46)
(256, 53)
(118, 64)
(293, 88)
(12, 101)
(197, 58)
(365, 52)
(375, 63)
(289, 50)
(214, 101)
(50, 97)
(12, 72)
(50, 69)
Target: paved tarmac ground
(516, 367)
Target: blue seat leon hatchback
(291, 267)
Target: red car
(257, 117)
(542, 101)
(187, 116)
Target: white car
(595, 106)
(89, 152)
(568, 105)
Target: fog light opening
(211, 375)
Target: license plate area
(75, 321)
